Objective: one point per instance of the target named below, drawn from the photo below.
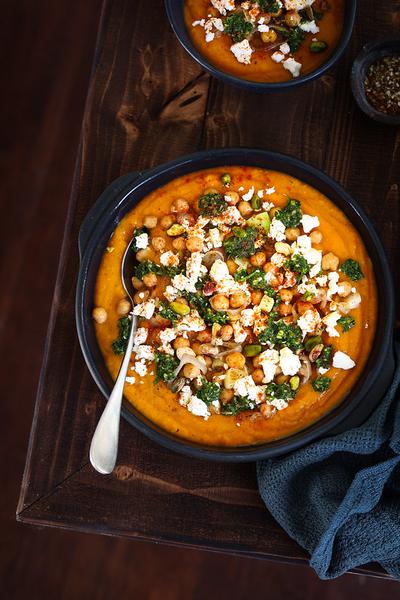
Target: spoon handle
(104, 446)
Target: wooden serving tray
(149, 102)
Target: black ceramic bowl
(124, 193)
(175, 12)
(372, 52)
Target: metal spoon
(104, 446)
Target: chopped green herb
(237, 27)
(290, 215)
(279, 391)
(146, 267)
(165, 367)
(299, 265)
(295, 38)
(241, 243)
(237, 405)
(346, 323)
(226, 179)
(308, 296)
(124, 327)
(172, 271)
(321, 384)
(352, 269)
(324, 359)
(202, 304)
(257, 279)
(209, 392)
(311, 342)
(241, 275)
(168, 313)
(282, 335)
(212, 205)
(269, 6)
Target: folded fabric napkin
(339, 498)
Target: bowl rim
(328, 422)
(370, 53)
(172, 6)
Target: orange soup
(268, 40)
(256, 302)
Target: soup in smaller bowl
(267, 41)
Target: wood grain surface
(149, 102)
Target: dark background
(47, 50)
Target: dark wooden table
(149, 102)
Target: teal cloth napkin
(339, 497)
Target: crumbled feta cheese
(199, 23)
(277, 57)
(330, 322)
(284, 48)
(289, 362)
(231, 216)
(140, 368)
(219, 271)
(181, 282)
(277, 230)
(193, 267)
(223, 5)
(171, 293)
(291, 65)
(209, 26)
(198, 408)
(279, 404)
(260, 193)
(309, 321)
(215, 238)
(267, 206)
(309, 223)
(263, 28)
(144, 352)
(350, 303)
(191, 322)
(185, 395)
(322, 370)
(166, 336)
(145, 309)
(269, 362)
(304, 247)
(297, 4)
(309, 27)
(278, 259)
(140, 336)
(169, 259)
(246, 388)
(248, 195)
(247, 317)
(271, 190)
(240, 334)
(341, 360)
(130, 380)
(322, 280)
(142, 241)
(242, 52)
(333, 279)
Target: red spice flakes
(382, 85)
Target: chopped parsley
(346, 323)
(209, 392)
(146, 267)
(269, 6)
(165, 367)
(258, 281)
(295, 38)
(124, 327)
(237, 405)
(211, 205)
(203, 306)
(241, 243)
(282, 335)
(324, 359)
(299, 265)
(237, 27)
(290, 215)
(168, 313)
(279, 391)
(352, 269)
(321, 384)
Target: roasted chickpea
(226, 396)
(204, 336)
(245, 208)
(137, 283)
(179, 243)
(282, 378)
(232, 198)
(256, 362)
(99, 314)
(256, 297)
(292, 233)
(292, 18)
(238, 299)
(282, 248)
(194, 244)
(226, 332)
(267, 410)
(182, 300)
(123, 306)
(191, 371)
(167, 221)
(258, 259)
(285, 309)
(330, 262)
(303, 307)
(220, 302)
(232, 266)
(144, 254)
(268, 37)
(344, 289)
(180, 342)
(150, 280)
(208, 360)
(141, 296)
(158, 243)
(180, 206)
(286, 295)
(235, 360)
(196, 347)
(186, 219)
(316, 237)
(150, 221)
(258, 375)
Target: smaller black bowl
(372, 52)
(175, 12)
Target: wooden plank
(149, 102)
